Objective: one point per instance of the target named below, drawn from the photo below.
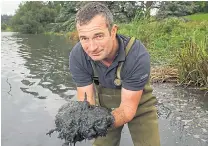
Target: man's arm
(136, 74)
(128, 107)
(81, 72)
(89, 89)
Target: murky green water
(35, 82)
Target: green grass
(198, 17)
(193, 63)
(174, 42)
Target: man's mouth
(96, 53)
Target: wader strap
(96, 82)
(97, 92)
(118, 81)
(95, 74)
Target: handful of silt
(78, 120)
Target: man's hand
(78, 120)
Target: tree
(176, 8)
(202, 6)
(66, 17)
(5, 19)
(123, 11)
(3, 26)
(5, 22)
(33, 16)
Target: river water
(35, 82)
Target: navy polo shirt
(134, 74)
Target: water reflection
(46, 58)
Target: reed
(193, 63)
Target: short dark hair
(92, 9)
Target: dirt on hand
(78, 120)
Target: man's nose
(92, 46)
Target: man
(114, 71)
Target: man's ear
(114, 30)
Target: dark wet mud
(183, 115)
(78, 121)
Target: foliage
(176, 8)
(193, 63)
(32, 17)
(5, 19)
(5, 22)
(3, 26)
(65, 19)
(123, 12)
(181, 8)
(58, 16)
(202, 6)
(167, 38)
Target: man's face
(96, 39)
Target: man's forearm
(89, 91)
(123, 115)
(91, 99)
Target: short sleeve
(79, 68)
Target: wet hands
(78, 120)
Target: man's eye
(83, 39)
(99, 37)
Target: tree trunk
(148, 5)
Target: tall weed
(193, 63)
(175, 42)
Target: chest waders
(144, 127)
